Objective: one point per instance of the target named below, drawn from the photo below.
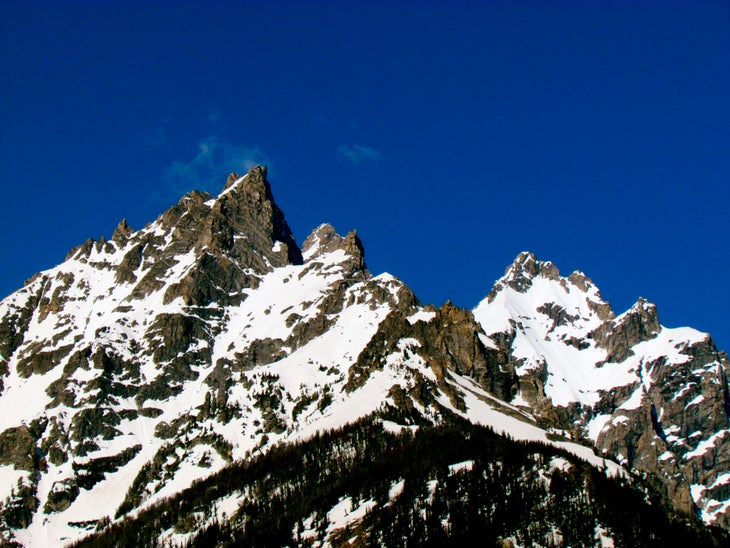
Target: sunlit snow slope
(145, 362)
(652, 397)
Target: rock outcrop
(208, 336)
(650, 397)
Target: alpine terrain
(207, 381)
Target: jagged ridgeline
(204, 379)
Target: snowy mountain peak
(638, 390)
(157, 358)
(255, 177)
(525, 268)
(243, 222)
(520, 274)
(581, 281)
(643, 306)
(645, 313)
(324, 239)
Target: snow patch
(459, 466)
(396, 488)
(421, 316)
(344, 514)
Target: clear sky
(595, 134)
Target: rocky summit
(166, 385)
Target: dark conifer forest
(503, 491)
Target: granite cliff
(162, 356)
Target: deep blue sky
(596, 134)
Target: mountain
(169, 383)
(655, 399)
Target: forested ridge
(502, 490)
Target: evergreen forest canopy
(502, 490)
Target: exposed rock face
(679, 430)
(169, 330)
(653, 398)
(639, 324)
(522, 271)
(233, 238)
(324, 240)
(209, 336)
(448, 340)
(17, 448)
(122, 232)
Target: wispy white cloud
(210, 166)
(359, 153)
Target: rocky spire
(247, 205)
(526, 267)
(324, 239)
(122, 232)
(639, 323)
(232, 179)
(522, 271)
(243, 222)
(353, 247)
(233, 237)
